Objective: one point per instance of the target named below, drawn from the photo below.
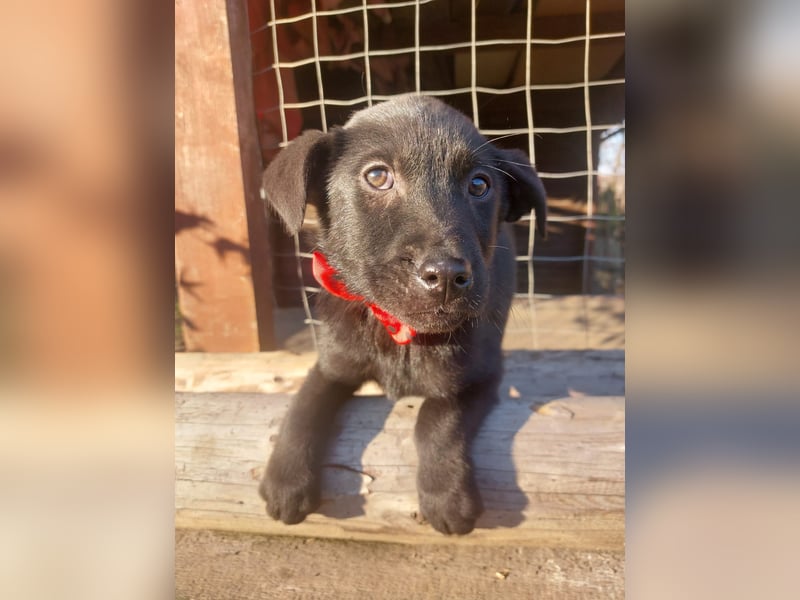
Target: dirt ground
(230, 566)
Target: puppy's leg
(448, 495)
(291, 484)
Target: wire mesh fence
(544, 76)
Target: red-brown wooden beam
(221, 249)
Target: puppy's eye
(380, 178)
(478, 186)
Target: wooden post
(221, 249)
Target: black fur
(428, 251)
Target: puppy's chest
(414, 371)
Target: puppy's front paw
(451, 511)
(290, 493)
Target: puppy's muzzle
(446, 279)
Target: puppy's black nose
(448, 277)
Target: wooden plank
(265, 372)
(220, 245)
(547, 375)
(551, 472)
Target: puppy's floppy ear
(296, 176)
(525, 189)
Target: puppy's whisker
(501, 170)
(511, 162)
(487, 142)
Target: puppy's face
(413, 212)
(411, 198)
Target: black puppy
(417, 269)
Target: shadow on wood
(345, 480)
(492, 454)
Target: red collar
(326, 277)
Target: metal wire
(528, 45)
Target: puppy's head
(411, 199)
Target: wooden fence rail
(549, 460)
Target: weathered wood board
(221, 250)
(550, 469)
(540, 374)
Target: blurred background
(86, 299)
(712, 419)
